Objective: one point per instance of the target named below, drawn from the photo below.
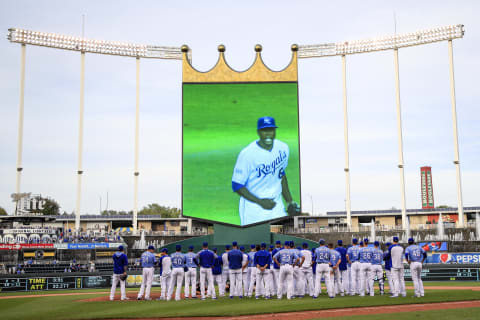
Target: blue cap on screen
(411, 240)
(263, 245)
(205, 244)
(278, 242)
(227, 247)
(178, 247)
(165, 250)
(355, 241)
(234, 243)
(340, 242)
(120, 248)
(376, 243)
(395, 239)
(321, 241)
(151, 248)
(252, 246)
(266, 122)
(365, 240)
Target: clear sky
(52, 98)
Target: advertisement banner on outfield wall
(20, 246)
(458, 258)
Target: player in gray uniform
(352, 258)
(148, 264)
(166, 265)
(365, 256)
(191, 274)
(286, 258)
(376, 270)
(322, 259)
(415, 256)
(178, 263)
(298, 280)
(252, 270)
(335, 277)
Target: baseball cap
(242, 248)
(234, 243)
(305, 245)
(266, 122)
(411, 240)
(120, 248)
(376, 243)
(214, 249)
(299, 248)
(151, 248)
(292, 243)
(340, 242)
(287, 243)
(271, 247)
(191, 247)
(165, 250)
(354, 240)
(178, 247)
(321, 241)
(252, 246)
(278, 242)
(361, 243)
(388, 244)
(365, 240)
(395, 239)
(227, 247)
(263, 245)
(205, 244)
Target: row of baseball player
(282, 270)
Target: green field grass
(219, 120)
(449, 314)
(69, 307)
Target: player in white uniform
(166, 262)
(306, 270)
(376, 270)
(245, 278)
(259, 176)
(148, 263)
(396, 252)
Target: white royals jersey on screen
(261, 172)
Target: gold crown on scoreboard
(222, 72)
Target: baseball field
(451, 300)
(219, 120)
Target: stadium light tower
(84, 45)
(393, 42)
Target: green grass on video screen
(219, 120)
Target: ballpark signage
(427, 187)
(459, 258)
(28, 231)
(87, 246)
(240, 142)
(21, 246)
(54, 283)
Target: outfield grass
(68, 307)
(453, 314)
(219, 120)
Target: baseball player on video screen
(259, 177)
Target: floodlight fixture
(65, 42)
(390, 42)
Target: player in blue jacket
(120, 265)
(415, 256)
(262, 261)
(206, 259)
(217, 271)
(235, 264)
(388, 266)
(343, 286)
(352, 258)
